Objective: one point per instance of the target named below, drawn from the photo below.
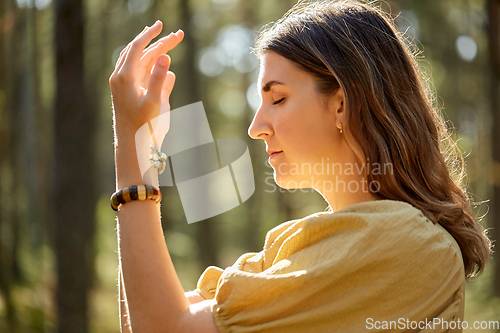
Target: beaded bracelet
(139, 192)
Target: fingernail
(157, 21)
(163, 61)
(178, 31)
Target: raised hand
(141, 83)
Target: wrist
(126, 163)
(127, 168)
(123, 137)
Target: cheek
(306, 138)
(295, 139)
(293, 125)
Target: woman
(340, 89)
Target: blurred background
(58, 248)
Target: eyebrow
(269, 84)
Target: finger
(123, 53)
(157, 79)
(173, 41)
(168, 85)
(180, 35)
(169, 42)
(149, 59)
(149, 55)
(138, 44)
(121, 58)
(147, 73)
(161, 40)
(142, 32)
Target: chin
(289, 183)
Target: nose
(260, 126)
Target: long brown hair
(389, 114)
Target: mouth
(274, 153)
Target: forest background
(58, 259)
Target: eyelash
(279, 101)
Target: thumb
(168, 85)
(158, 77)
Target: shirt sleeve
(338, 283)
(249, 262)
(209, 280)
(207, 283)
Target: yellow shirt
(372, 266)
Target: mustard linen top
(331, 272)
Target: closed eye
(279, 101)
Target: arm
(155, 298)
(123, 307)
(193, 297)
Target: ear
(336, 107)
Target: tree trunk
(8, 15)
(493, 8)
(205, 234)
(74, 193)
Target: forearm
(123, 306)
(140, 88)
(156, 300)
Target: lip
(274, 153)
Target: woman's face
(299, 123)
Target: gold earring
(340, 128)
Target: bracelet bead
(114, 201)
(149, 192)
(155, 195)
(133, 193)
(119, 196)
(126, 194)
(139, 192)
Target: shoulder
(398, 222)
(288, 229)
(386, 221)
(384, 231)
